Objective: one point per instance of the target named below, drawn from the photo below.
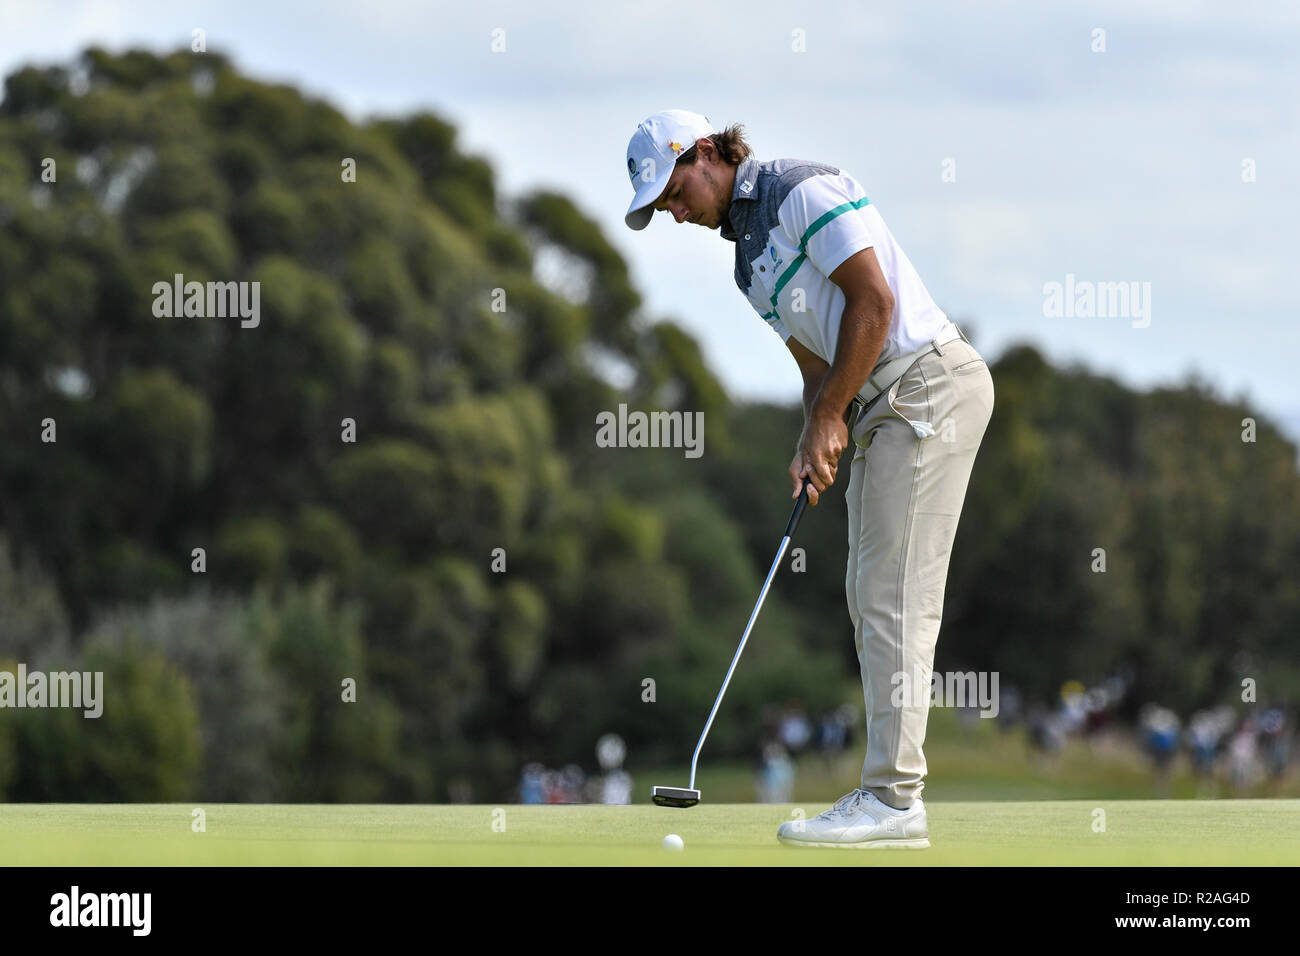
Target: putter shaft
(785, 543)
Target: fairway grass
(1044, 833)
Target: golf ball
(673, 842)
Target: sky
(1152, 143)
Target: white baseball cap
(652, 153)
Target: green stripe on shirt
(822, 220)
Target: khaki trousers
(904, 499)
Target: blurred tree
(211, 642)
(145, 747)
(335, 743)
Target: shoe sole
(921, 844)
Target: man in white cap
(817, 262)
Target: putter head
(674, 797)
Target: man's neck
(730, 180)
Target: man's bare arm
(812, 367)
(814, 370)
(868, 308)
(864, 325)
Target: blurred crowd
(1223, 747)
(1227, 749)
(571, 784)
(1080, 711)
(786, 733)
(1242, 751)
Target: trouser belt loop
(960, 335)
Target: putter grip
(798, 510)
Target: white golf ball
(673, 842)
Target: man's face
(698, 193)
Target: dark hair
(730, 143)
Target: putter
(683, 797)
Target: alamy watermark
(954, 689)
(75, 908)
(1085, 299)
(639, 429)
(213, 300)
(83, 691)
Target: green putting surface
(1044, 833)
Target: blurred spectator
(553, 787)
(1096, 710)
(775, 782)
(615, 787)
(1073, 712)
(1275, 743)
(1009, 709)
(1046, 735)
(1160, 730)
(1116, 687)
(572, 783)
(1244, 769)
(610, 751)
(532, 784)
(1205, 730)
(833, 734)
(795, 731)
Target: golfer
(820, 267)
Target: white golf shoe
(860, 821)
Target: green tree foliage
(1197, 526)
(34, 624)
(212, 643)
(145, 747)
(329, 747)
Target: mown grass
(1048, 833)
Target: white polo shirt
(793, 223)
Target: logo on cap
(675, 147)
(631, 167)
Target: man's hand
(818, 456)
(829, 389)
